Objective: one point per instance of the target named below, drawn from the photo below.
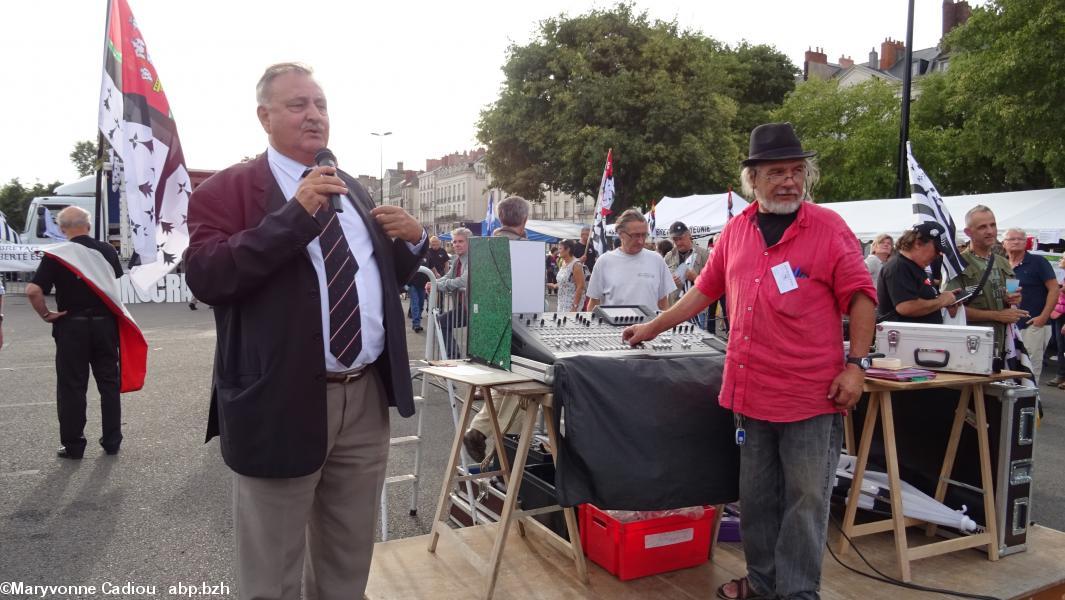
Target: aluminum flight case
(949, 348)
(1011, 419)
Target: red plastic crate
(642, 548)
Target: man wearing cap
(790, 269)
(685, 260)
(904, 289)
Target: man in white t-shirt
(631, 274)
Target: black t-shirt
(437, 260)
(773, 225)
(901, 280)
(592, 255)
(71, 293)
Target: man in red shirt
(789, 269)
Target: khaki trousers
(1035, 341)
(319, 526)
(508, 411)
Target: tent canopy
(1040, 213)
(704, 214)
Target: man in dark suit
(311, 347)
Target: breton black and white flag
(928, 206)
(7, 232)
(135, 118)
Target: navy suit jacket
(247, 258)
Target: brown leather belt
(347, 377)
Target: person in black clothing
(438, 261)
(589, 256)
(904, 290)
(86, 335)
(436, 258)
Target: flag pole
(902, 183)
(102, 226)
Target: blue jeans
(417, 300)
(786, 475)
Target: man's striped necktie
(345, 322)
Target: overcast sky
(422, 70)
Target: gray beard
(780, 208)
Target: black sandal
(744, 591)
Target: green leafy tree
(1007, 90)
(666, 100)
(84, 157)
(855, 131)
(760, 78)
(15, 200)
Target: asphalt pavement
(159, 513)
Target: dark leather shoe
(111, 450)
(66, 453)
(474, 441)
(418, 329)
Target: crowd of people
(311, 344)
(1012, 285)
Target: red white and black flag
(92, 268)
(603, 203)
(135, 119)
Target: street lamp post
(381, 160)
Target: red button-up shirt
(785, 349)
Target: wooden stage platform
(534, 570)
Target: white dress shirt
(287, 173)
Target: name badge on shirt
(785, 277)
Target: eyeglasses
(778, 178)
(639, 236)
(1014, 239)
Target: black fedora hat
(775, 141)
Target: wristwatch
(863, 363)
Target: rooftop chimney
(891, 51)
(813, 56)
(399, 165)
(954, 14)
(846, 62)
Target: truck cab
(40, 217)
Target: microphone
(326, 158)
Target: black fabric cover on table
(644, 433)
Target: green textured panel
(489, 289)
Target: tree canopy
(665, 99)
(15, 200)
(1007, 78)
(992, 122)
(84, 157)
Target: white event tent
(1041, 213)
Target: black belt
(88, 317)
(346, 377)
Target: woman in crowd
(879, 254)
(570, 279)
